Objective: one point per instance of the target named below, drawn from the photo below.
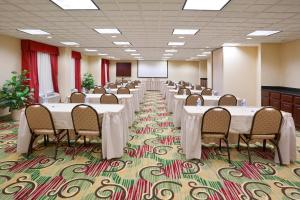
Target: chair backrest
(266, 121)
(227, 100)
(181, 91)
(123, 90)
(207, 92)
(85, 118)
(216, 121)
(39, 117)
(99, 90)
(130, 86)
(192, 99)
(181, 87)
(109, 99)
(112, 85)
(171, 83)
(77, 97)
(125, 81)
(198, 87)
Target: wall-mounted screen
(123, 69)
(152, 69)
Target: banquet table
(125, 99)
(179, 102)
(114, 127)
(241, 121)
(137, 96)
(153, 84)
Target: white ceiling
(148, 24)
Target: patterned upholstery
(216, 121)
(123, 90)
(99, 90)
(86, 120)
(191, 100)
(112, 85)
(77, 97)
(181, 91)
(109, 99)
(227, 100)
(266, 123)
(39, 119)
(207, 92)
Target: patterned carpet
(153, 167)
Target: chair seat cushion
(213, 135)
(267, 137)
(89, 133)
(44, 131)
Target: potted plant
(88, 82)
(15, 94)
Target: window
(44, 73)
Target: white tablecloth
(152, 84)
(179, 102)
(137, 96)
(114, 127)
(170, 98)
(240, 123)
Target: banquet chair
(130, 86)
(215, 124)
(227, 100)
(266, 125)
(123, 90)
(86, 123)
(192, 99)
(112, 85)
(99, 90)
(109, 99)
(124, 81)
(198, 87)
(77, 97)
(181, 91)
(40, 122)
(207, 92)
(138, 81)
(181, 87)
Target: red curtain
(104, 71)
(29, 62)
(77, 56)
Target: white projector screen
(152, 69)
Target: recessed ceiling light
(34, 31)
(185, 31)
(107, 30)
(91, 50)
(49, 37)
(180, 37)
(112, 57)
(205, 4)
(122, 43)
(69, 43)
(262, 33)
(206, 52)
(130, 50)
(113, 36)
(135, 54)
(171, 50)
(200, 55)
(176, 43)
(168, 54)
(249, 38)
(102, 54)
(76, 5)
(231, 44)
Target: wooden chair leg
(279, 154)
(45, 140)
(32, 138)
(228, 150)
(248, 148)
(264, 145)
(239, 147)
(220, 143)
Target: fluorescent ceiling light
(231, 44)
(200, 55)
(107, 30)
(168, 54)
(185, 31)
(171, 50)
(34, 31)
(206, 52)
(205, 4)
(130, 50)
(249, 38)
(176, 43)
(135, 54)
(69, 43)
(49, 37)
(76, 5)
(121, 43)
(180, 37)
(91, 50)
(102, 54)
(262, 33)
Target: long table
(114, 127)
(241, 120)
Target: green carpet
(152, 167)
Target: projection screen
(152, 69)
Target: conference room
(149, 99)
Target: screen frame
(137, 71)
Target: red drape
(29, 62)
(104, 71)
(77, 56)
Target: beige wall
(209, 72)
(203, 68)
(10, 60)
(217, 70)
(290, 64)
(240, 73)
(94, 63)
